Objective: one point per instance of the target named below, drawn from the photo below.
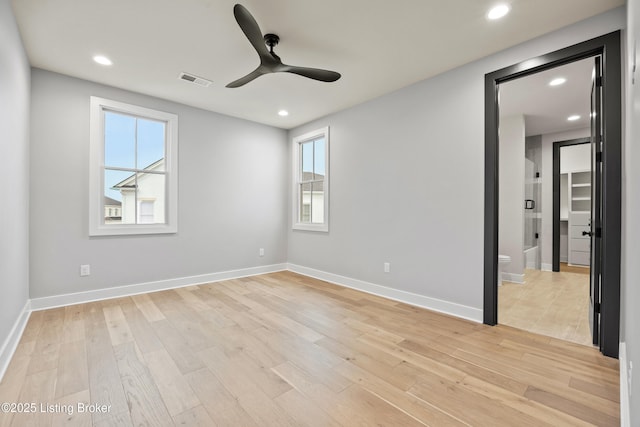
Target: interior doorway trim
(556, 196)
(608, 46)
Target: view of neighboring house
(112, 211)
(312, 198)
(143, 196)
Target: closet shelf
(579, 204)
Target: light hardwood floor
(564, 267)
(548, 303)
(286, 350)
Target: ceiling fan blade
(251, 29)
(313, 73)
(246, 79)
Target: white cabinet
(579, 203)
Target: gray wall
(631, 212)
(14, 173)
(232, 193)
(533, 150)
(407, 179)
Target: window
(145, 212)
(133, 170)
(311, 181)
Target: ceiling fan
(269, 61)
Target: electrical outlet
(85, 270)
(387, 267)
(261, 251)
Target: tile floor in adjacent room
(555, 304)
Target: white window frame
(97, 226)
(297, 174)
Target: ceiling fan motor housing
(271, 40)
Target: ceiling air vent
(194, 79)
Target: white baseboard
(513, 278)
(577, 265)
(11, 343)
(458, 310)
(546, 267)
(625, 414)
(141, 288)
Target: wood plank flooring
(286, 350)
(555, 304)
(564, 267)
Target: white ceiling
(546, 108)
(378, 46)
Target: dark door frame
(608, 46)
(556, 196)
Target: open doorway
(604, 232)
(572, 190)
(536, 112)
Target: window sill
(323, 228)
(132, 230)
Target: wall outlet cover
(85, 270)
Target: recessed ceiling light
(498, 11)
(283, 113)
(573, 118)
(558, 81)
(102, 60)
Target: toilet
(503, 261)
